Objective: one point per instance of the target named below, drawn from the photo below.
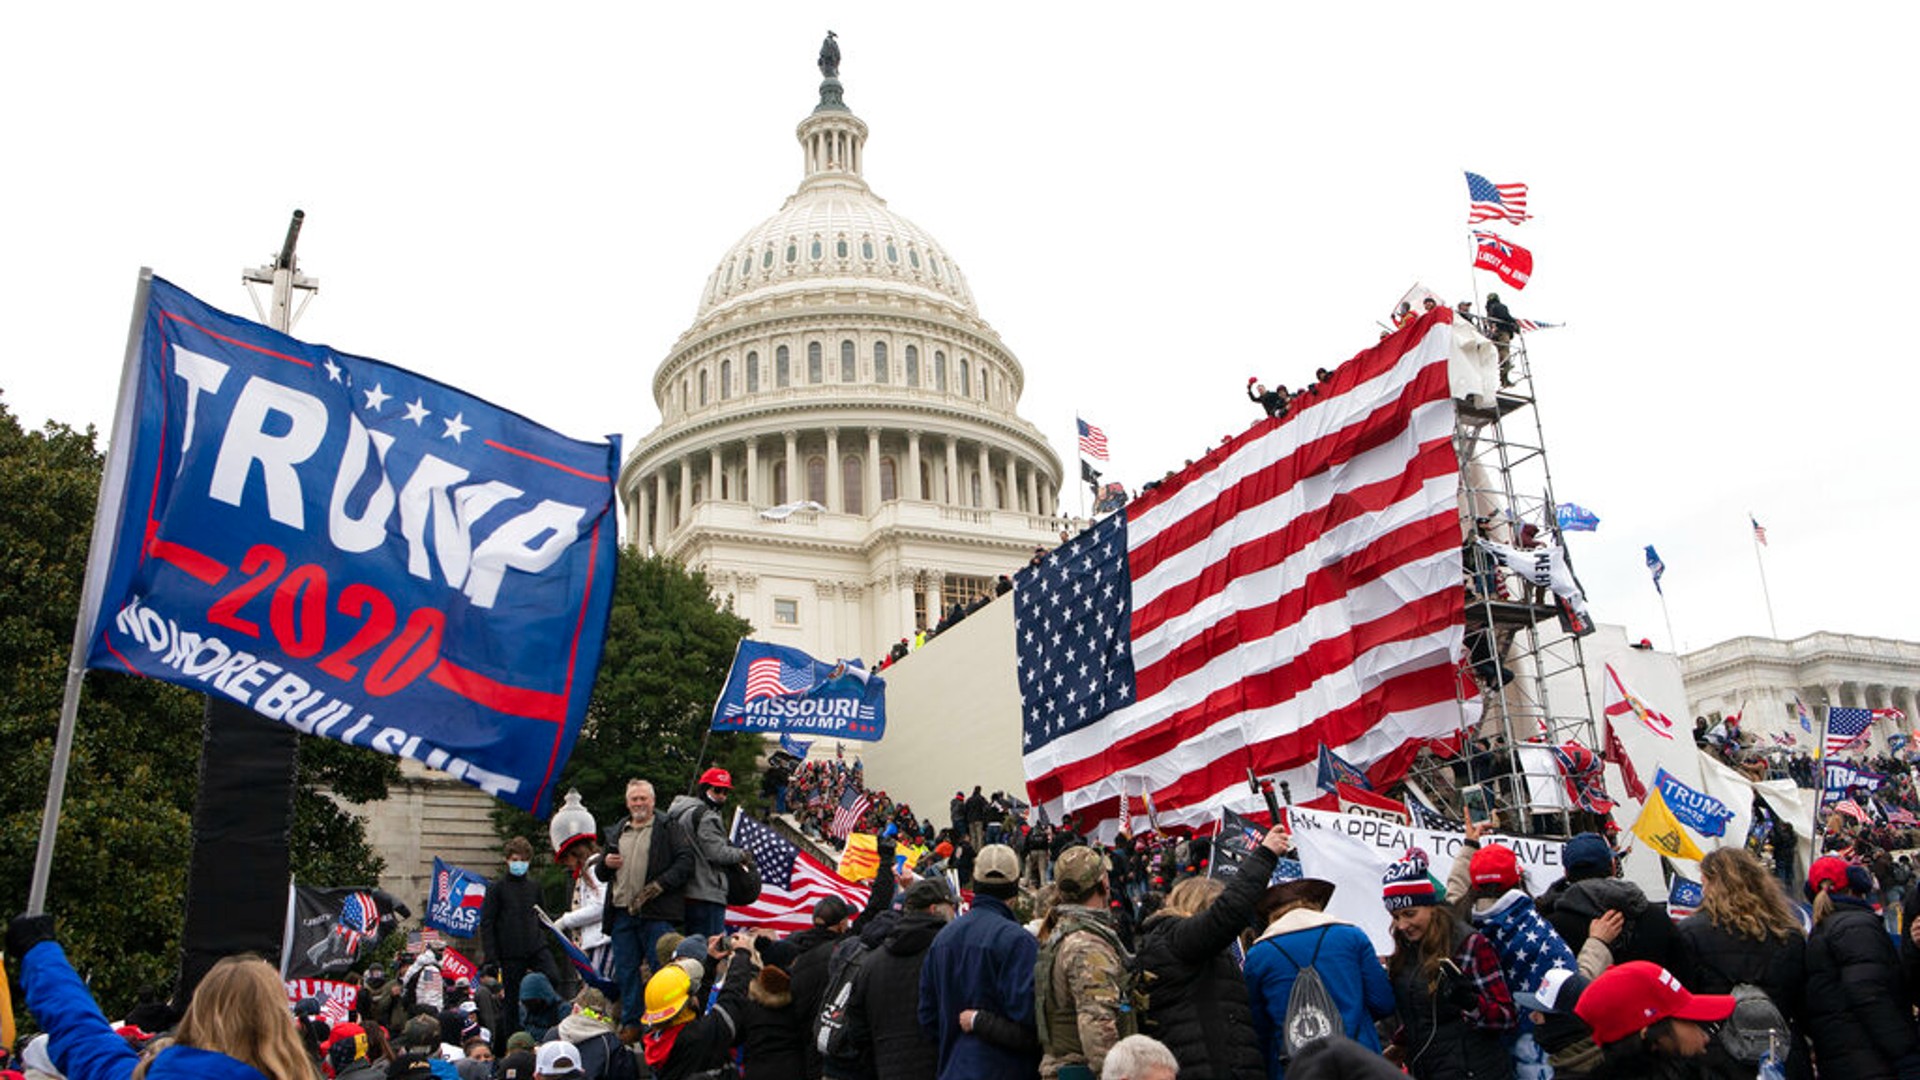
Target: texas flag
(474, 895)
(1511, 262)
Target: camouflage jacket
(1081, 997)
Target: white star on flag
(333, 370)
(416, 412)
(376, 397)
(455, 427)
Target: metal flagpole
(1080, 458)
(106, 528)
(1820, 788)
(1672, 642)
(1764, 594)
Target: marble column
(713, 474)
(985, 472)
(642, 527)
(1012, 501)
(953, 471)
(934, 611)
(872, 494)
(833, 471)
(913, 468)
(752, 485)
(1033, 491)
(660, 509)
(686, 488)
(793, 469)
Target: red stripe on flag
(202, 568)
(498, 696)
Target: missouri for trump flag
(1297, 587)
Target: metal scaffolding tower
(1517, 640)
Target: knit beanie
(1407, 883)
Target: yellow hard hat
(667, 994)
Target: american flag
(1889, 714)
(1901, 816)
(1846, 727)
(1093, 441)
(852, 804)
(1784, 738)
(1495, 202)
(1852, 810)
(1298, 586)
(770, 676)
(791, 881)
(1806, 719)
(1759, 530)
(1526, 325)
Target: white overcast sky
(1150, 203)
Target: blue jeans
(634, 943)
(705, 918)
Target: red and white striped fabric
(1300, 585)
(847, 815)
(791, 881)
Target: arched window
(683, 395)
(813, 252)
(879, 361)
(966, 378)
(703, 386)
(817, 479)
(766, 259)
(1000, 493)
(793, 251)
(852, 487)
(973, 488)
(814, 374)
(889, 480)
(866, 248)
(840, 248)
(913, 365)
(781, 376)
(926, 480)
(983, 381)
(780, 482)
(726, 379)
(753, 373)
(699, 492)
(939, 370)
(849, 368)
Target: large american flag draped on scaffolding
(1300, 585)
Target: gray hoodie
(700, 824)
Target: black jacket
(1714, 961)
(1440, 1043)
(1196, 994)
(773, 1038)
(669, 862)
(509, 929)
(1647, 935)
(883, 1014)
(706, 1040)
(1857, 1011)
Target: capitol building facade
(840, 450)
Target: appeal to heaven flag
(1297, 587)
(353, 550)
(1659, 828)
(774, 688)
(1508, 261)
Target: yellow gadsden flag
(1657, 826)
(861, 859)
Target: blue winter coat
(982, 960)
(84, 1047)
(1346, 963)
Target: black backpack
(830, 1025)
(1312, 1014)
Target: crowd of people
(1059, 957)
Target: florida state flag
(1513, 263)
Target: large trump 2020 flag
(353, 550)
(1299, 587)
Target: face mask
(518, 868)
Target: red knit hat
(1495, 864)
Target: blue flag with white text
(1335, 770)
(1697, 810)
(1576, 518)
(1657, 568)
(353, 550)
(774, 688)
(454, 899)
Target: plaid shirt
(1495, 1011)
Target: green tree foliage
(120, 866)
(668, 649)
